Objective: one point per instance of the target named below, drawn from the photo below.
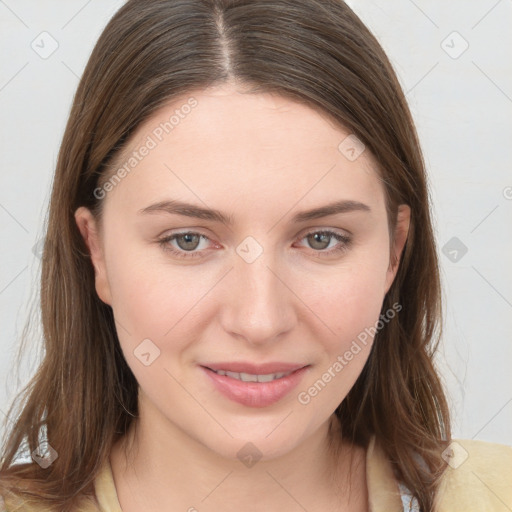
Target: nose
(260, 305)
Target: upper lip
(255, 369)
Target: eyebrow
(190, 210)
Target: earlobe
(88, 227)
(399, 239)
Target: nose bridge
(260, 305)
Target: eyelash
(346, 241)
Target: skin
(259, 158)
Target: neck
(157, 466)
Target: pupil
(190, 241)
(317, 239)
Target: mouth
(257, 388)
(250, 377)
(251, 368)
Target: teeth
(248, 377)
(268, 378)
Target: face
(258, 281)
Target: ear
(398, 242)
(90, 233)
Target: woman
(240, 287)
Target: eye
(321, 240)
(187, 243)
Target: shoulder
(478, 477)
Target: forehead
(262, 145)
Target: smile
(248, 377)
(254, 390)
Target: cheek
(348, 299)
(156, 311)
(156, 301)
(348, 304)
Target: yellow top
(479, 478)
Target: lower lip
(255, 394)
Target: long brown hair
(314, 51)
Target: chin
(259, 443)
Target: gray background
(453, 60)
